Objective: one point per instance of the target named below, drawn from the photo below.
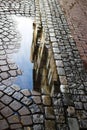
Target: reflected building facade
(45, 77)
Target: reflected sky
(22, 58)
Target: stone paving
(76, 13)
(30, 110)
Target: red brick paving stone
(26, 120)
(76, 14)
(3, 124)
(6, 111)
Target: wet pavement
(25, 109)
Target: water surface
(22, 58)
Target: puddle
(22, 58)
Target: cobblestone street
(25, 109)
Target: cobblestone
(46, 100)
(6, 99)
(26, 120)
(3, 124)
(6, 112)
(49, 113)
(49, 124)
(15, 105)
(25, 109)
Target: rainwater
(22, 58)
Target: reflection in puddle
(25, 28)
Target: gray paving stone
(27, 128)
(16, 126)
(0, 79)
(1, 117)
(37, 99)
(2, 57)
(6, 111)
(13, 66)
(63, 80)
(15, 105)
(60, 71)
(46, 100)
(4, 68)
(35, 93)
(24, 111)
(26, 92)
(2, 62)
(38, 127)
(1, 93)
(49, 125)
(9, 91)
(2, 52)
(59, 63)
(78, 105)
(17, 95)
(56, 50)
(4, 75)
(85, 106)
(73, 123)
(38, 118)
(13, 119)
(15, 87)
(26, 120)
(6, 99)
(26, 101)
(2, 87)
(49, 113)
(12, 73)
(3, 124)
(34, 108)
(7, 82)
(1, 105)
